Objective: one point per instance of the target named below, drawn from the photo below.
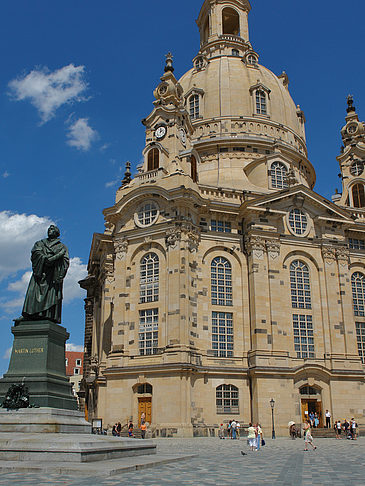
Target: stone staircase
(323, 433)
(137, 433)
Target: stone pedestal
(38, 360)
(43, 420)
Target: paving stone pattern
(219, 462)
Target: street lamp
(272, 403)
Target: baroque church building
(222, 280)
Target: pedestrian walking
(221, 432)
(308, 439)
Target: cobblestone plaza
(282, 462)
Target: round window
(357, 168)
(298, 222)
(147, 214)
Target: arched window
(153, 161)
(358, 196)
(149, 279)
(300, 286)
(278, 174)
(231, 21)
(309, 390)
(221, 281)
(222, 334)
(261, 103)
(227, 399)
(199, 63)
(194, 169)
(235, 52)
(145, 388)
(358, 293)
(194, 106)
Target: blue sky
(75, 82)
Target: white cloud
(117, 180)
(76, 272)
(47, 90)
(6, 174)
(7, 353)
(18, 232)
(74, 347)
(81, 135)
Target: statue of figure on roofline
(50, 262)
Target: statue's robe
(44, 295)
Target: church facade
(222, 280)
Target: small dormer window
(235, 52)
(194, 106)
(261, 102)
(357, 168)
(199, 63)
(251, 59)
(278, 173)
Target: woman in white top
(252, 437)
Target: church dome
(230, 89)
(243, 115)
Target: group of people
(117, 428)
(348, 428)
(232, 431)
(314, 419)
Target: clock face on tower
(160, 132)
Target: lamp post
(272, 403)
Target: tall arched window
(261, 103)
(227, 399)
(221, 281)
(358, 196)
(153, 161)
(194, 169)
(358, 293)
(149, 279)
(300, 286)
(231, 21)
(278, 172)
(194, 106)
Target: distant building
(74, 366)
(222, 280)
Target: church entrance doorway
(145, 407)
(311, 403)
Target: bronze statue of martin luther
(50, 262)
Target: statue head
(53, 231)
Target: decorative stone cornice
(120, 248)
(273, 248)
(343, 255)
(255, 245)
(328, 254)
(186, 232)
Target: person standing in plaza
(233, 429)
(308, 439)
(143, 430)
(259, 436)
(338, 428)
(251, 437)
(328, 419)
(353, 428)
(238, 426)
